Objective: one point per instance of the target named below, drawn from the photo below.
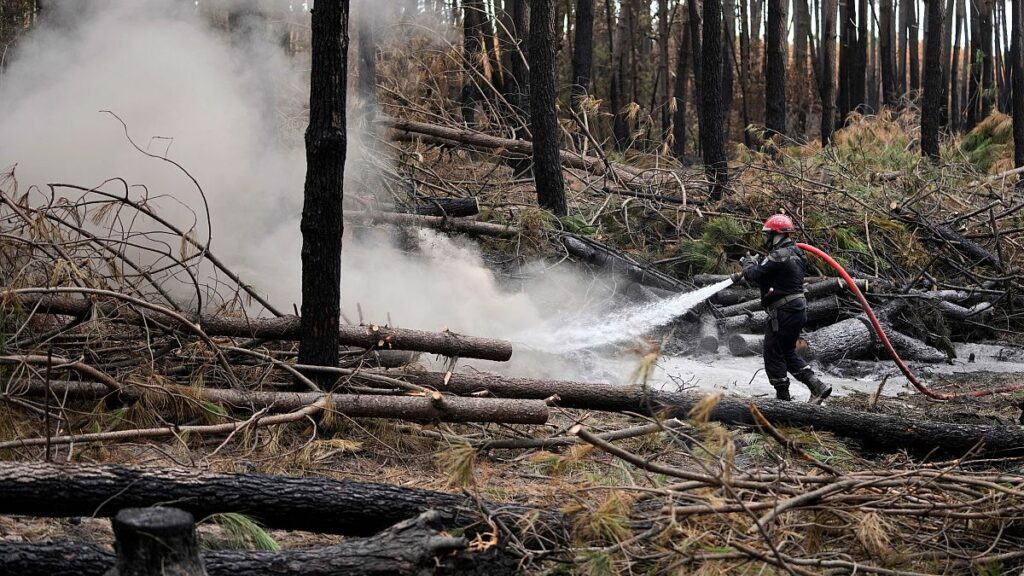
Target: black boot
(781, 388)
(819, 389)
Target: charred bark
(1017, 80)
(547, 168)
(931, 106)
(448, 207)
(826, 80)
(416, 547)
(775, 67)
(156, 541)
(597, 254)
(712, 111)
(312, 504)
(879, 431)
(582, 52)
(682, 71)
(322, 223)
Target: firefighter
(781, 280)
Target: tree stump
(156, 541)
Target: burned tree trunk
(322, 223)
(156, 541)
(1017, 80)
(682, 70)
(712, 135)
(547, 167)
(826, 80)
(931, 106)
(775, 67)
(582, 52)
(417, 546)
(880, 431)
(473, 50)
(291, 503)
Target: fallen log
(597, 254)
(446, 207)
(821, 310)
(745, 344)
(708, 333)
(812, 290)
(416, 547)
(479, 140)
(312, 504)
(424, 408)
(471, 227)
(950, 237)
(878, 431)
(282, 328)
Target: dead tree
(931, 107)
(712, 134)
(322, 223)
(775, 67)
(1017, 80)
(547, 168)
(156, 541)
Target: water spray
(885, 339)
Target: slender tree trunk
(547, 166)
(955, 104)
(696, 27)
(977, 63)
(712, 136)
(775, 67)
(902, 46)
(1006, 64)
(827, 86)
(728, 61)
(847, 41)
(931, 113)
(368, 64)
(745, 68)
(988, 77)
(801, 35)
(1017, 80)
(472, 54)
(860, 58)
(947, 38)
(665, 87)
(321, 223)
(620, 128)
(885, 49)
(682, 71)
(582, 52)
(913, 52)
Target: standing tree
(682, 70)
(775, 67)
(827, 69)
(582, 52)
(547, 166)
(1017, 79)
(886, 33)
(321, 223)
(712, 135)
(473, 55)
(931, 107)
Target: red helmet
(779, 223)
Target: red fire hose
(885, 339)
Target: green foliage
(697, 255)
(722, 232)
(240, 532)
(576, 225)
(989, 142)
(598, 563)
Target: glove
(748, 260)
(736, 276)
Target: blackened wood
(712, 129)
(292, 503)
(156, 540)
(776, 40)
(450, 207)
(417, 547)
(473, 17)
(601, 255)
(880, 431)
(1017, 79)
(821, 310)
(471, 227)
(931, 105)
(547, 168)
(826, 80)
(683, 57)
(287, 328)
(885, 47)
(582, 52)
(322, 222)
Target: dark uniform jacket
(781, 275)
